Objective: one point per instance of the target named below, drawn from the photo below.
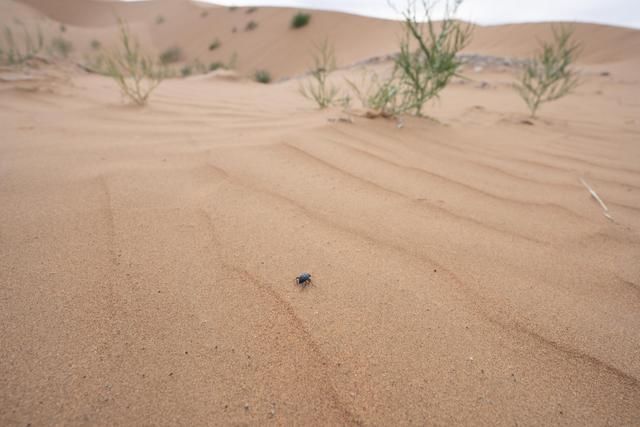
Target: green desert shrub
(251, 25)
(136, 74)
(318, 88)
(214, 44)
(300, 20)
(95, 44)
(263, 76)
(18, 48)
(171, 55)
(216, 66)
(186, 71)
(548, 76)
(424, 72)
(61, 46)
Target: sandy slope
(462, 273)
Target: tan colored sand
(463, 274)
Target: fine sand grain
(463, 273)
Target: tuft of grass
(263, 76)
(63, 28)
(204, 14)
(12, 52)
(319, 89)
(251, 25)
(251, 10)
(548, 75)
(233, 8)
(137, 74)
(61, 46)
(300, 20)
(425, 72)
(214, 44)
(95, 44)
(160, 20)
(171, 55)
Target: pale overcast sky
(615, 12)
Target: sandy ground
(463, 274)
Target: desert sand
(462, 272)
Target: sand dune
(463, 274)
(284, 52)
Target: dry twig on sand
(598, 199)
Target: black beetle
(304, 279)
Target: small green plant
(95, 44)
(63, 28)
(60, 46)
(171, 55)
(300, 20)
(216, 66)
(263, 76)
(186, 71)
(251, 25)
(318, 89)
(424, 72)
(548, 76)
(137, 74)
(12, 52)
(214, 44)
(160, 20)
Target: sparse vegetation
(263, 76)
(171, 55)
(319, 89)
(251, 10)
(63, 28)
(214, 44)
(548, 75)
(424, 72)
(95, 44)
(233, 61)
(186, 71)
(137, 74)
(216, 66)
(13, 52)
(159, 19)
(234, 30)
(381, 96)
(204, 14)
(300, 20)
(62, 47)
(251, 25)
